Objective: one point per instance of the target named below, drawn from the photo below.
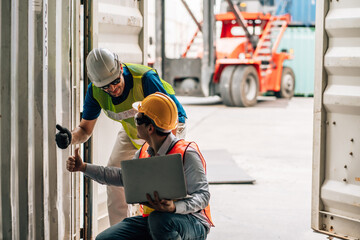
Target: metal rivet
(345, 166)
(344, 179)
(351, 153)
(334, 123)
(352, 140)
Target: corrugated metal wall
(336, 155)
(120, 26)
(302, 41)
(39, 82)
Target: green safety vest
(123, 112)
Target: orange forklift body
(234, 48)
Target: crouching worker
(162, 219)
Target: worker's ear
(151, 129)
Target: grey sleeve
(104, 175)
(197, 185)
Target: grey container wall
(335, 207)
(39, 82)
(302, 11)
(302, 41)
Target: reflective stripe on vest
(179, 147)
(123, 112)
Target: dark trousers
(158, 225)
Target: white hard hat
(103, 66)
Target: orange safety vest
(179, 147)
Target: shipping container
(302, 11)
(301, 42)
(336, 141)
(39, 82)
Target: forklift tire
(225, 85)
(245, 86)
(287, 84)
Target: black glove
(63, 138)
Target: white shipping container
(336, 150)
(39, 88)
(39, 84)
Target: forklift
(239, 65)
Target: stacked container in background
(299, 38)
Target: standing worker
(114, 87)
(187, 218)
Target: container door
(336, 152)
(120, 27)
(39, 82)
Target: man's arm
(100, 174)
(91, 112)
(75, 163)
(197, 185)
(83, 132)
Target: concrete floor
(271, 142)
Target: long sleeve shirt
(196, 181)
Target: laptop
(163, 174)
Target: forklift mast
(169, 69)
(242, 23)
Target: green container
(302, 42)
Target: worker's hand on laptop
(75, 163)
(161, 205)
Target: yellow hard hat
(160, 108)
